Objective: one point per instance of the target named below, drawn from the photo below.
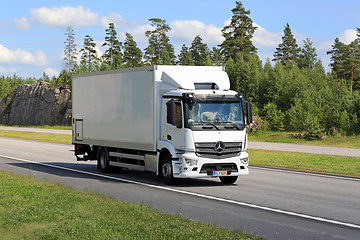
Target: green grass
(308, 162)
(57, 138)
(42, 127)
(33, 209)
(286, 137)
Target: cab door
(172, 129)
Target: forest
(291, 92)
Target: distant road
(286, 147)
(301, 148)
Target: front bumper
(192, 166)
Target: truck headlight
(244, 161)
(191, 162)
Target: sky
(32, 33)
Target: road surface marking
(320, 219)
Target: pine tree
(338, 58)
(352, 63)
(288, 50)
(70, 51)
(89, 56)
(185, 57)
(357, 63)
(357, 40)
(112, 56)
(151, 54)
(238, 33)
(345, 61)
(159, 44)
(132, 54)
(169, 57)
(199, 51)
(217, 57)
(308, 55)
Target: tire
(167, 171)
(228, 180)
(103, 161)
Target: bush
(274, 118)
(314, 130)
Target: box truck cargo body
(175, 121)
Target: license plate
(219, 173)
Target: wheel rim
(166, 170)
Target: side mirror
(249, 119)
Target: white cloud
(51, 72)
(187, 30)
(64, 16)
(98, 50)
(348, 36)
(37, 58)
(264, 38)
(115, 18)
(22, 23)
(138, 33)
(76, 17)
(323, 45)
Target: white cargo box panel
(116, 108)
(185, 77)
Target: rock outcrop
(37, 104)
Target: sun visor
(186, 79)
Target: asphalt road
(268, 203)
(336, 151)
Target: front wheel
(103, 161)
(167, 171)
(228, 180)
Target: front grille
(210, 167)
(207, 150)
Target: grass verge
(308, 162)
(57, 138)
(287, 137)
(33, 209)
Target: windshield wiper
(233, 124)
(212, 124)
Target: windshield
(218, 113)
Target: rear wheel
(103, 160)
(228, 180)
(167, 171)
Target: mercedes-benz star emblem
(219, 147)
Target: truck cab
(204, 129)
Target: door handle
(169, 137)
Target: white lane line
(320, 219)
(306, 173)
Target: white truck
(175, 121)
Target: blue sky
(32, 32)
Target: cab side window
(174, 113)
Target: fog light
(244, 161)
(191, 162)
